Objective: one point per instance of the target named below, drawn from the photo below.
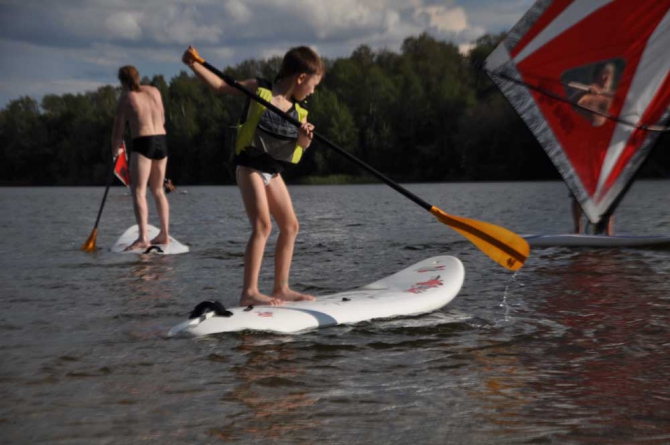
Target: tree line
(426, 114)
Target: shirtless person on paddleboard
(142, 107)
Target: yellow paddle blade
(89, 245)
(503, 246)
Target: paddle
(503, 246)
(89, 245)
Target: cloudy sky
(71, 46)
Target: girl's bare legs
(255, 200)
(140, 169)
(281, 209)
(156, 179)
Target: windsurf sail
(121, 169)
(591, 80)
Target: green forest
(426, 114)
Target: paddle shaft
(397, 187)
(104, 197)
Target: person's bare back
(144, 111)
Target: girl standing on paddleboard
(266, 144)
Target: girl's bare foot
(162, 239)
(259, 299)
(291, 295)
(137, 244)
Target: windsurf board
(575, 240)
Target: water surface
(572, 349)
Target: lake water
(572, 349)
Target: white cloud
(495, 16)
(334, 18)
(183, 25)
(124, 26)
(444, 19)
(238, 11)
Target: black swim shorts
(153, 147)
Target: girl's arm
(211, 79)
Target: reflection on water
(607, 358)
(571, 349)
(592, 365)
(269, 385)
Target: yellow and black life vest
(265, 141)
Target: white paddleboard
(574, 240)
(130, 235)
(424, 287)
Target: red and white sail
(545, 67)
